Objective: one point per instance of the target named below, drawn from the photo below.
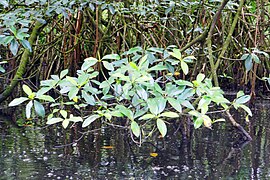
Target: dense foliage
(115, 58)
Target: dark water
(28, 153)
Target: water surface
(221, 153)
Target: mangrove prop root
(238, 126)
(23, 63)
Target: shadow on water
(222, 153)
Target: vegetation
(116, 59)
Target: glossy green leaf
(65, 123)
(108, 66)
(27, 90)
(6, 40)
(72, 80)
(184, 67)
(169, 115)
(63, 113)
(162, 127)
(156, 105)
(89, 120)
(256, 58)
(26, 44)
(187, 104)
(88, 98)
(14, 47)
(4, 3)
(111, 56)
(133, 65)
(147, 116)
(18, 101)
(239, 94)
(158, 67)
(88, 62)
(176, 53)
(247, 109)
(75, 118)
(175, 104)
(73, 92)
(46, 98)
(135, 128)
(39, 108)
(28, 109)
(242, 99)
(198, 123)
(248, 63)
(63, 73)
(54, 121)
(127, 112)
(200, 77)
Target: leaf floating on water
(107, 147)
(153, 154)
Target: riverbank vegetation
(139, 65)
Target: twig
(238, 126)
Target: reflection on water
(219, 154)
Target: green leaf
(89, 120)
(239, 94)
(46, 98)
(43, 90)
(175, 104)
(147, 116)
(72, 80)
(27, 90)
(18, 101)
(176, 53)
(189, 58)
(135, 128)
(108, 65)
(244, 56)
(14, 47)
(39, 108)
(184, 83)
(133, 50)
(198, 122)
(88, 98)
(158, 67)
(73, 92)
(200, 77)
(54, 121)
(162, 127)
(156, 105)
(142, 93)
(75, 118)
(112, 10)
(256, 58)
(248, 63)
(133, 65)
(63, 73)
(184, 67)
(187, 104)
(247, 109)
(63, 113)
(28, 109)
(112, 56)
(65, 123)
(127, 112)
(6, 40)
(169, 115)
(242, 99)
(88, 62)
(26, 44)
(4, 3)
